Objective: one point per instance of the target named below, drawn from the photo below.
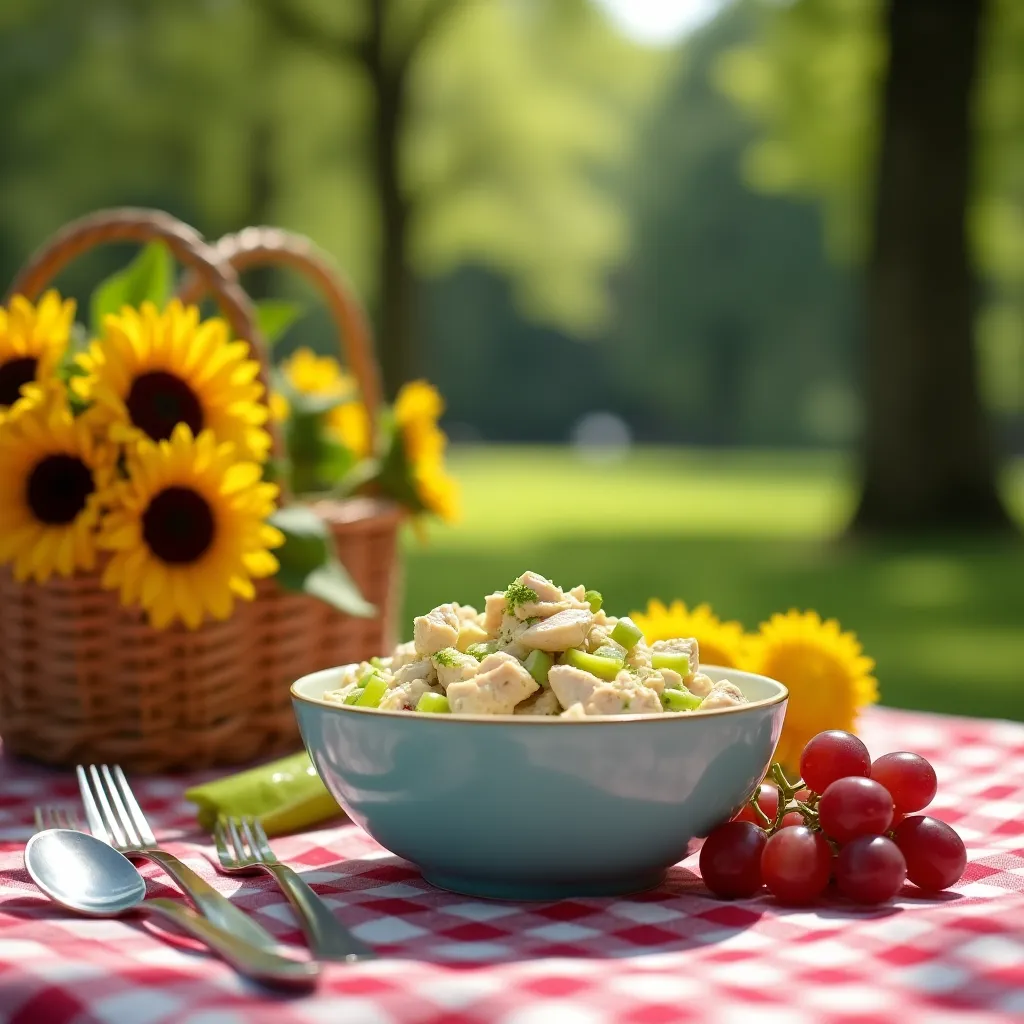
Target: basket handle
(138, 225)
(266, 246)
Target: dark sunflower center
(13, 374)
(178, 526)
(158, 401)
(58, 488)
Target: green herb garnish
(517, 594)
(449, 657)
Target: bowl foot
(491, 889)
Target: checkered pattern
(675, 954)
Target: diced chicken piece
(598, 637)
(511, 629)
(422, 669)
(465, 612)
(517, 650)
(453, 666)
(579, 593)
(470, 633)
(661, 679)
(543, 703)
(653, 679)
(699, 684)
(494, 605)
(436, 630)
(576, 711)
(338, 696)
(500, 684)
(549, 601)
(634, 699)
(723, 695)
(406, 696)
(681, 645)
(572, 685)
(639, 655)
(561, 631)
(604, 620)
(404, 653)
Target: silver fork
(50, 816)
(243, 849)
(114, 815)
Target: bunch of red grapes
(849, 821)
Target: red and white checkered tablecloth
(674, 954)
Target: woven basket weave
(83, 679)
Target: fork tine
(60, 818)
(262, 844)
(40, 816)
(123, 817)
(112, 825)
(71, 817)
(132, 805)
(92, 812)
(249, 837)
(221, 842)
(236, 839)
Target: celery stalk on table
(286, 795)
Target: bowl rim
(545, 720)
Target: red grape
(908, 777)
(792, 818)
(934, 853)
(730, 859)
(796, 865)
(870, 869)
(854, 807)
(833, 755)
(768, 801)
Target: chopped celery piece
(627, 633)
(480, 651)
(373, 693)
(434, 704)
(609, 652)
(377, 662)
(603, 668)
(537, 664)
(354, 696)
(678, 661)
(679, 700)
(594, 599)
(372, 674)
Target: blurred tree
(494, 134)
(813, 81)
(729, 294)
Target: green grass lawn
(751, 534)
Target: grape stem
(787, 802)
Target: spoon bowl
(82, 873)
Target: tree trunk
(396, 321)
(928, 460)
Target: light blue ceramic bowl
(535, 808)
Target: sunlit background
(625, 239)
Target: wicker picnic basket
(84, 679)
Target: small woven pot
(84, 679)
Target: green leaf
(309, 562)
(333, 584)
(150, 276)
(275, 316)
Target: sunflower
(418, 407)
(152, 371)
(719, 643)
(32, 341)
(323, 377)
(187, 529)
(828, 676)
(52, 473)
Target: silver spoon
(80, 872)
